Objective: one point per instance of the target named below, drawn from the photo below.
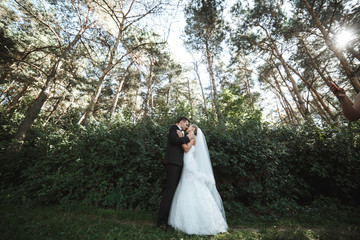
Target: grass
(83, 222)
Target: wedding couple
(190, 201)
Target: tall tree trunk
(278, 109)
(275, 51)
(291, 93)
(152, 101)
(30, 116)
(293, 82)
(90, 108)
(287, 106)
(313, 90)
(117, 95)
(190, 100)
(283, 100)
(346, 66)
(148, 92)
(168, 92)
(66, 111)
(248, 89)
(55, 108)
(212, 97)
(319, 109)
(286, 109)
(247, 82)
(196, 68)
(212, 78)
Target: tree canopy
(79, 62)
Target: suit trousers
(173, 173)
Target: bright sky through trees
(344, 37)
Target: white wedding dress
(197, 206)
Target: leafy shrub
(255, 165)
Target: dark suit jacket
(174, 152)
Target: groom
(173, 163)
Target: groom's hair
(182, 119)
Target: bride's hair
(196, 127)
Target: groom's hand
(191, 135)
(179, 133)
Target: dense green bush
(255, 165)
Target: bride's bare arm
(188, 145)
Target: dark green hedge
(119, 166)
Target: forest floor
(82, 222)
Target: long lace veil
(204, 168)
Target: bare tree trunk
(313, 90)
(66, 111)
(278, 109)
(30, 116)
(286, 105)
(300, 99)
(212, 78)
(346, 66)
(135, 106)
(90, 108)
(283, 100)
(52, 93)
(196, 68)
(152, 101)
(117, 95)
(319, 109)
(168, 93)
(212, 97)
(190, 100)
(248, 89)
(247, 82)
(291, 92)
(55, 108)
(286, 109)
(275, 51)
(148, 93)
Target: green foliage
(205, 29)
(117, 167)
(236, 107)
(268, 170)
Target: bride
(197, 206)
